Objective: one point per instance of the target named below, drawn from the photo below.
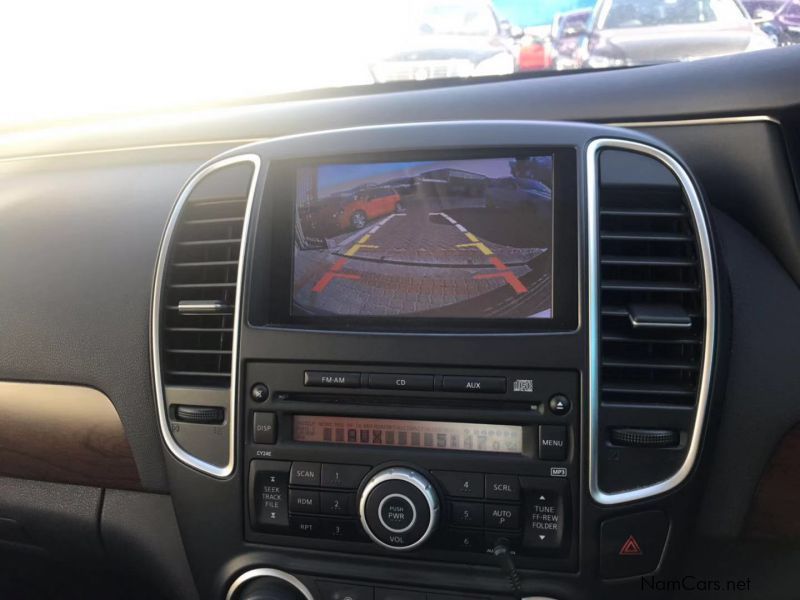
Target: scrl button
(502, 487)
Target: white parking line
(348, 241)
(458, 225)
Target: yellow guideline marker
(364, 239)
(471, 237)
(356, 247)
(479, 245)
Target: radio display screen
(468, 238)
(434, 435)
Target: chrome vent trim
(706, 264)
(156, 312)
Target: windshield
(457, 19)
(654, 13)
(94, 58)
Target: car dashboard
(530, 338)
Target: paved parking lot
(446, 259)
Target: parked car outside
(367, 206)
(535, 49)
(449, 39)
(349, 211)
(565, 35)
(640, 32)
(779, 19)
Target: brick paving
(418, 262)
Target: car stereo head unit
(456, 240)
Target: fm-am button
(332, 379)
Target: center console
(442, 360)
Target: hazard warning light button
(632, 545)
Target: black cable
(502, 552)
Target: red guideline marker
(505, 273)
(510, 278)
(332, 274)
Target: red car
(366, 206)
(535, 56)
(334, 215)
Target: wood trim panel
(65, 434)
(774, 511)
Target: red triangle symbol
(630, 547)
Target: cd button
(332, 379)
(398, 381)
(485, 385)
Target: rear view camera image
(469, 238)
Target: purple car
(779, 19)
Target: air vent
(651, 295)
(200, 292)
(195, 311)
(652, 305)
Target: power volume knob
(399, 509)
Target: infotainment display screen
(433, 435)
(467, 238)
